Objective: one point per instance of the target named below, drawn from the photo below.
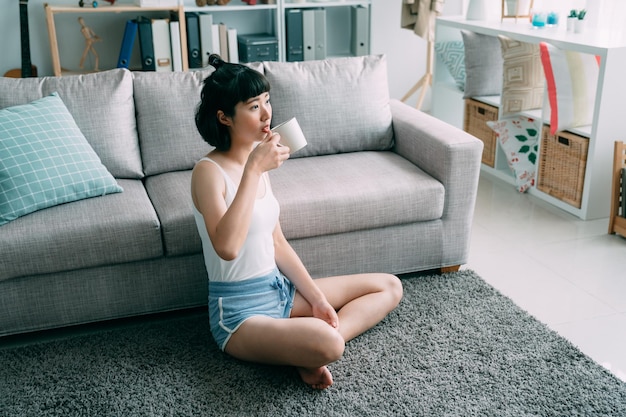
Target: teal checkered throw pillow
(45, 160)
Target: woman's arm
(292, 267)
(227, 226)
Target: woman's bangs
(252, 84)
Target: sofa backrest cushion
(102, 107)
(342, 104)
(166, 107)
(166, 103)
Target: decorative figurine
(90, 38)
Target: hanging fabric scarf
(419, 16)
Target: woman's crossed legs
(308, 343)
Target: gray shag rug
(453, 347)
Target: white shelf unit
(259, 18)
(338, 23)
(607, 125)
(270, 18)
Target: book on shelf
(623, 192)
(146, 45)
(177, 55)
(308, 35)
(212, 37)
(233, 48)
(128, 43)
(313, 34)
(162, 45)
(223, 36)
(206, 37)
(320, 33)
(215, 37)
(293, 22)
(360, 31)
(193, 40)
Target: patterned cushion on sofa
(101, 104)
(45, 160)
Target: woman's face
(252, 118)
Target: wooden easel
(427, 79)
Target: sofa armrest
(448, 154)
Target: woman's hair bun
(215, 61)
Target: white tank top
(256, 256)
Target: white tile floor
(568, 273)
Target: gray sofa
(380, 187)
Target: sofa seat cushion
(102, 106)
(171, 195)
(354, 191)
(111, 229)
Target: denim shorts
(232, 303)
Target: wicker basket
(477, 114)
(562, 164)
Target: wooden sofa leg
(446, 269)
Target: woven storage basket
(477, 114)
(562, 164)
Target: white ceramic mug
(291, 135)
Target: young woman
(263, 304)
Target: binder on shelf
(177, 55)
(308, 35)
(293, 20)
(162, 45)
(223, 35)
(360, 44)
(233, 49)
(193, 40)
(215, 37)
(146, 46)
(320, 33)
(128, 42)
(206, 37)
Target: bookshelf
(51, 11)
(338, 24)
(270, 18)
(246, 19)
(607, 124)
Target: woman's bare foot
(317, 378)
